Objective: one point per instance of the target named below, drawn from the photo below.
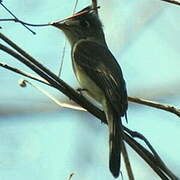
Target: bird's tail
(115, 140)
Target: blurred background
(39, 140)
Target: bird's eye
(84, 23)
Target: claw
(80, 90)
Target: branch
(16, 17)
(24, 23)
(70, 176)
(127, 162)
(24, 82)
(157, 105)
(6, 66)
(147, 157)
(172, 2)
(155, 154)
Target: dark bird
(99, 74)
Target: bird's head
(83, 25)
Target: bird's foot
(80, 90)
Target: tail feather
(115, 141)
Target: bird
(99, 74)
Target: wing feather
(101, 66)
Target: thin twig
(25, 23)
(62, 59)
(64, 48)
(75, 6)
(146, 155)
(50, 96)
(16, 17)
(157, 105)
(94, 6)
(127, 162)
(40, 25)
(6, 66)
(61, 104)
(70, 176)
(157, 157)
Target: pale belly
(86, 83)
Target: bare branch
(127, 162)
(172, 2)
(24, 23)
(94, 6)
(50, 96)
(157, 105)
(62, 59)
(70, 176)
(59, 103)
(157, 157)
(15, 17)
(75, 5)
(6, 66)
(147, 156)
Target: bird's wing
(100, 65)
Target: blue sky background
(39, 140)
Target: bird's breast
(87, 83)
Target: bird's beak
(68, 22)
(65, 23)
(59, 24)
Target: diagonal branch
(157, 158)
(127, 162)
(15, 17)
(172, 2)
(6, 66)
